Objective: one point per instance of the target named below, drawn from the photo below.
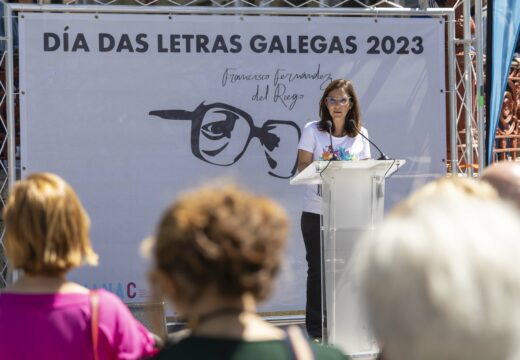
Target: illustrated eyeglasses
(340, 101)
(221, 133)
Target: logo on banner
(221, 134)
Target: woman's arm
(304, 159)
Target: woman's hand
(304, 159)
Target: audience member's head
(449, 188)
(219, 241)
(505, 178)
(47, 229)
(440, 277)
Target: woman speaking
(334, 137)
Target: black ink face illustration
(221, 133)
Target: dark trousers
(310, 225)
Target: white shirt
(318, 143)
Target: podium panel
(352, 205)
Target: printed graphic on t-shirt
(339, 152)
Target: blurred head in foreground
(440, 276)
(505, 178)
(47, 229)
(219, 243)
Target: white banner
(132, 109)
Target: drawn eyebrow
(173, 114)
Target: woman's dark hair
(353, 113)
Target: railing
(508, 133)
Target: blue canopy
(503, 27)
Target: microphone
(328, 124)
(382, 156)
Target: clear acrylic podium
(352, 204)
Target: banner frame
(446, 15)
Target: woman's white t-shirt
(318, 143)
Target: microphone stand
(328, 123)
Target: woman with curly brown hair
(217, 251)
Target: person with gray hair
(504, 176)
(439, 277)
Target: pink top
(57, 326)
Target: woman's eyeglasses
(341, 101)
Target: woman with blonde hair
(43, 315)
(217, 251)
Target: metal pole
(318, 11)
(9, 89)
(11, 143)
(468, 86)
(452, 91)
(480, 86)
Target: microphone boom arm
(382, 155)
